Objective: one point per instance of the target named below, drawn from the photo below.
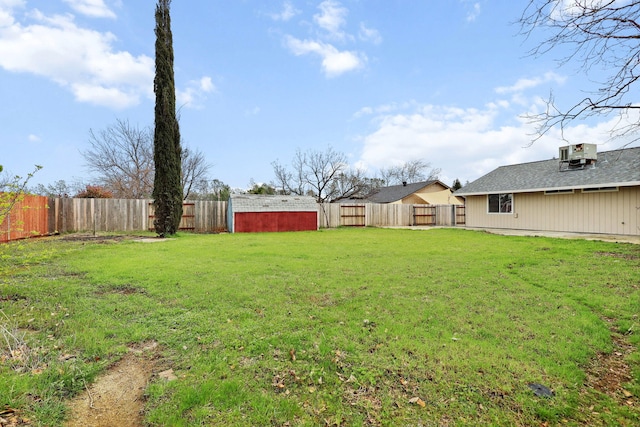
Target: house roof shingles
(396, 192)
(613, 168)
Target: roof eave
(536, 190)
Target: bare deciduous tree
(59, 188)
(283, 179)
(601, 35)
(210, 190)
(353, 183)
(122, 158)
(194, 169)
(313, 173)
(327, 176)
(411, 171)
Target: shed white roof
(267, 203)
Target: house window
(565, 191)
(500, 203)
(599, 189)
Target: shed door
(252, 222)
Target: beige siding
(412, 199)
(602, 212)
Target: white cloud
(331, 22)
(287, 13)
(332, 18)
(195, 93)
(473, 12)
(96, 94)
(6, 11)
(206, 85)
(334, 61)
(93, 8)
(80, 59)
(33, 138)
(384, 109)
(532, 82)
(563, 10)
(252, 111)
(10, 4)
(465, 143)
(519, 95)
(369, 34)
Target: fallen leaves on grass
(417, 401)
(10, 417)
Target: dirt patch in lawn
(109, 238)
(86, 237)
(117, 397)
(609, 372)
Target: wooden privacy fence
(28, 217)
(37, 215)
(389, 215)
(74, 215)
(461, 215)
(424, 215)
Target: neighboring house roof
(432, 192)
(397, 192)
(612, 169)
(268, 203)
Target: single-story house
(257, 213)
(419, 193)
(582, 191)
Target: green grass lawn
(335, 327)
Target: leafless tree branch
(599, 34)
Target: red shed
(256, 213)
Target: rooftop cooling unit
(578, 156)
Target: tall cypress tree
(167, 187)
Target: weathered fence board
(424, 215)
(352, 215)
(387, 215)
(28, 218)
(382, 215)
(461, 215)
(187, 221)
(76, 215)
(210, 216)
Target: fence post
(453, 215)
(93, 214)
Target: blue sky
(383, 81)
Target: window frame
(600, 190)
(556, 192)
(502, 204)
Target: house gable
(419, 193)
